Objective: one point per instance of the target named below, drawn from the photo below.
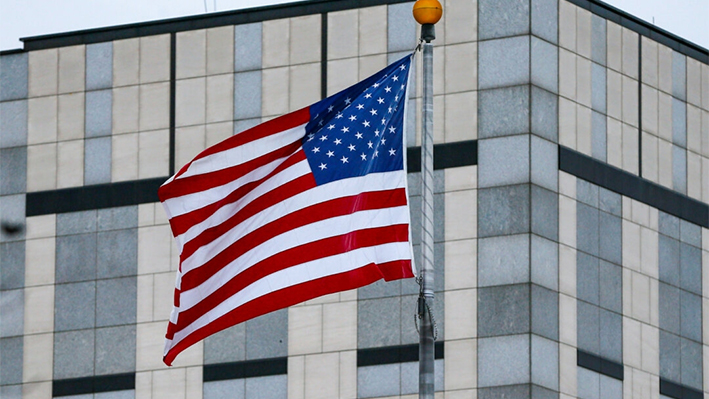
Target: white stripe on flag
(244, 153)
(330, 191)
(302, 273)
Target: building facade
(572, 216)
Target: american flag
(308, 204)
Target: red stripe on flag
(259, 204)
(181, 223)
(292, 296)
(291, 257)
(274, 126)
(194, 184)
(324, 210)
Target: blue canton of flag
(360, 130)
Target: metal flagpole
(427, 13)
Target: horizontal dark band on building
(644, 28)
(600, 365)
(393, 354)
(245, 369)
(677, 391)
(192, 22)
(96, 384)
(446, 155)
(97, 196)
(632, 186)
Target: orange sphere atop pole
(427, 11)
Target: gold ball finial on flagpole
(427, 11)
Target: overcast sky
(22, 18)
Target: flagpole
(427, 13)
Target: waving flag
(308, 204)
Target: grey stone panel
(503, 112)
(439, 221)
(247, 95)
(610, 238)
(545, 262)
(11, 360)
(13, 170)
(610, 202)
(670, 355)
(76, 258)
(503, 310)
(679, 169)
(503, 260)
(545, 163)
(267, 335)
(598, 39)
(12, 312)
(679, 123)
(598, 88)
(375, 381)
(545, 213)
(587, 193)
(543, 393)
(247, 47)
(522, 391)
(503, 210)
(97, 160)
(125, 394)
(416, 215)
(669, 260)
(13, 123)
(411, 119)
(588, 384)
(413, 181)
(124, 217)
(11, 391)
(407, 328)
(74, 354)
(691, 364)
(505, 62)
(116, 301)
(690, 233)
(117, 253)
(669, 306)
(270, 387)
(545, 65)
(503, 161)
(691, 268)
(401, 28)
(611, 335)
(76, 223)
(226, 346)
(503, 360)
(12, 210)
(588, 327)
(545, 312)
(610, 388)
(99, 66)
(98, 113)
(12, 258)
(545, 364)
(381, 289)
(75, 306)
(679, 76)
(502, 18)
(378, 322)
(691, 315)
(545, 21)
(225, 389)
(13, 76)
(611, 287)
(545, 114)
(245, 124)
(115, 350)
(587, 278)
(668, 225)
(587, 222)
